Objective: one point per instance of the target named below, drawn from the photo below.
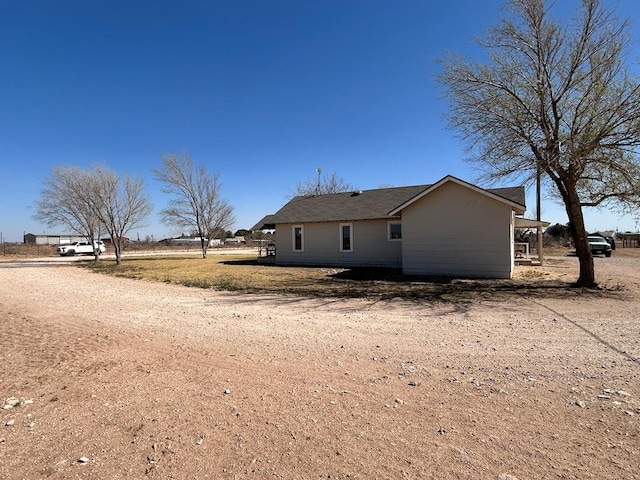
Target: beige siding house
(450, 228)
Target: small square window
(395, 230)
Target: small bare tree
(120, 203)
(558, 102)
(323, 184)
(195, 204)
(66, 201)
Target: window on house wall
(395, 230)
(298, 238)
(346, 237)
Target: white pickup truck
(79, 248)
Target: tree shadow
(592, 334)
(386, 284)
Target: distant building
(107, 240)
(235, 241)
(52, 238)
(187, 241)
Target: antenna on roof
(318, 171)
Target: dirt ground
(111, 378)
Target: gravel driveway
(103, 377)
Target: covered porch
(266, 246)
(522, 253)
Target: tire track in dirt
(45, 346)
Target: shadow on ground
(387, 284)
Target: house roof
(371, 204)
(55, 234)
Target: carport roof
(529, 223)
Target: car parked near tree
(599, 245)
(79, 248)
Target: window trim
(341, 238)
(293, 238)
(394, 222)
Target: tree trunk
(203, 245)
(579, 236)
(118, 251)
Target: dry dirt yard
(111, 378)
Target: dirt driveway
(111, 378)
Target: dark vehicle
(611, 241)
(599, 245)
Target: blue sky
(262, 92)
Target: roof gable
(512, 196)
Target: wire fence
(29, 250)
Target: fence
(35, 250)
(27, 249)
(628, 240)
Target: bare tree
(66, 201)
(323, 184)
(93, 202)
(120, 204)
(196, 204)
(554, 101)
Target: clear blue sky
(262, 92)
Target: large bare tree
(554, 101)
(120, 203)
(65, 201)
(91, 202)
(322, 184)
(196, 203)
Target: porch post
(540, 246)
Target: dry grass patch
(224, 272)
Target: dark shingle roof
(360, 205)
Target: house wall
(322, 245)
(456, 231)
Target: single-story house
(450, 228)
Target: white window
(346, 237)
(298, 238)
(394, 229)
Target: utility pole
(538, 212)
